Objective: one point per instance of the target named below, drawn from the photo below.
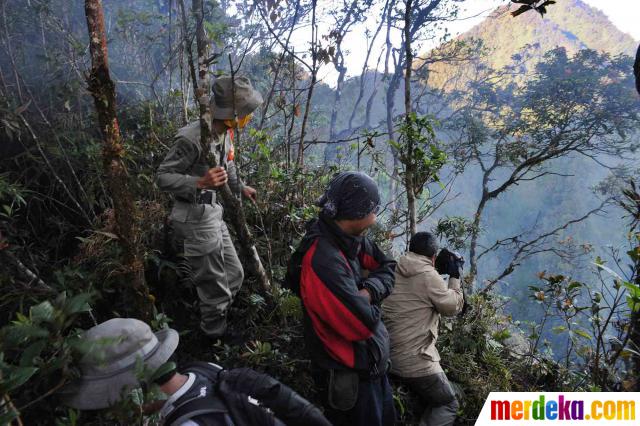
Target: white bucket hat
(247, 98)
(108, 367)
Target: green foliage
(584, 315)
(473, 357)
(419, 151)
(455, 230)
(633, 296)
(289, 306)
(12, 197)
(40, 349)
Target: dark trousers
(374, 406)
(439, 398)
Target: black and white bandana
(350, 195)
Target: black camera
(449, 263)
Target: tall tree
(351, 13)
(315, 51)
(416, 154)
(423, 13)
(409, 172)
(420, 24)
(102, 89)
(570, 106)
(417, 159)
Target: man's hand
(213, 179)
(250, 193)
(365, 293)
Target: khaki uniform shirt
(184, 166)
(199, 232)
(412, 315)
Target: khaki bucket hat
(108, 367)
(247, 98)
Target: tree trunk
(203, 85)
(475, 231)
(408, 61)
(248, 250)
(390, 101)
(331, 150)
(102, 89)
(393, 184)
(314, 76)
(409, 172)
(363, 74)
(342, 71)
(305, 118)
(411, 200)
(247, 246)
(187, 44)
(636, 70)
(394, 84)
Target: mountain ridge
(571, 24)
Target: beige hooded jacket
(412, 314)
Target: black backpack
(294, 267)
(226, 397)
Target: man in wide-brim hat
(108, 367)
(200, 394)
(200, 234)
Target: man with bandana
(342, 277)
(200, 234)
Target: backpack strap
(201, 399)
(207, 369)
(294, 267)
(199, 406)
(237, 401)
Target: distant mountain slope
(571, 24)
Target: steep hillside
(571, 24)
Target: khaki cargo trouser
(212, 263)
(436, 392)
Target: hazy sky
(625, 14)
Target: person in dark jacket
(342, 277)
(203, 394)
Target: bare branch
(532, 247)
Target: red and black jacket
(342, 329)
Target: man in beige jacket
(412, 314)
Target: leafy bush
(39, 348)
